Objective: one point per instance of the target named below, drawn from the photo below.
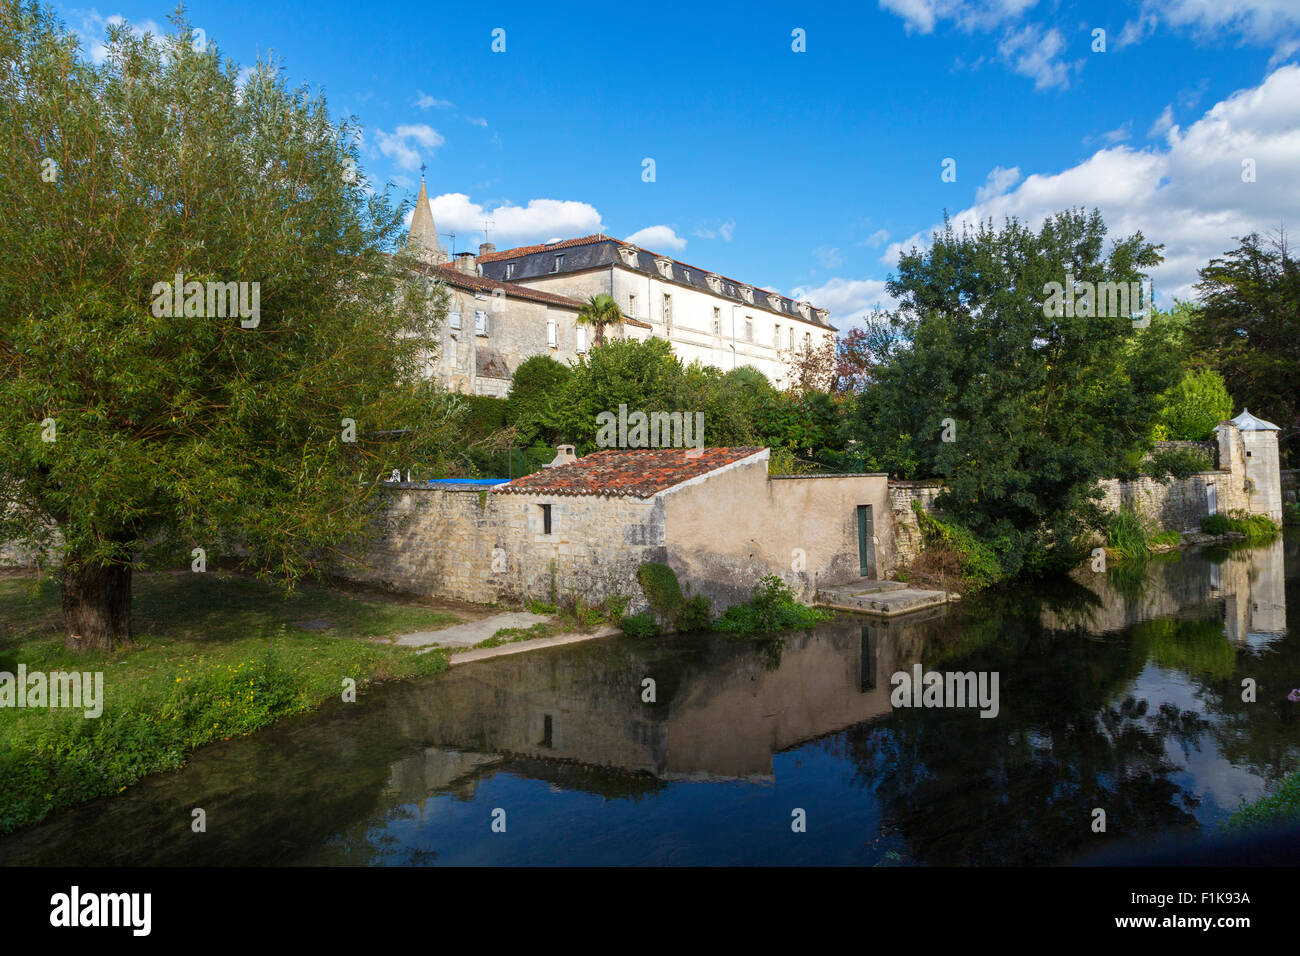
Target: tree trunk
(96, 606)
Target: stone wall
(733, 526)
(907, 533)
(468, 543)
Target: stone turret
(423, 241)
(1256, 449)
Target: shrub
(1216, 524)
(1255, 528)
(1281, 806)
(614, 606)
(1178, 462)
(978, 563)
(642, 624)
(773, 608)
(695, 614)
(659, 582)
(1165, 539)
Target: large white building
(706, 317)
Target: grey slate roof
(597, 252)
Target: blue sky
(803, 172)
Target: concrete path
(469, 634)
(881, 598)
(521, 647)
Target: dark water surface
(1118, 692)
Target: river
(1116, 692)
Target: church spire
(423, 241)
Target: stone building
(491, 326)
(584, 528)
(706, 317)
(1259, 452)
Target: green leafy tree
(534, 389)
(1190, 410)
(598, 312)
(1018, 408)
(134, 435)
(1248, 329)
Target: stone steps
(879, 598)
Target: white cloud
(1273, 23)
(829, 257)
(93, 32)
(921, 16)
(724, 231)
(849, 300)
(476, 121)
(401, 145)
(538, 221)
(876, 239)
(656, 238)
(426, 102)
(1029, 50)
(1035, 53)
(999, 180)
(1163, 124)
(1188, 195)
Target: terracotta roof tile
(542, 247)
(637, 473)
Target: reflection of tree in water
(1020, 788)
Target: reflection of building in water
(1250, 582)
(1256, 614)
(721, 714)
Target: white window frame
(453, 321)
(480, 322)
(581, 338)
(552, 333)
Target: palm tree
(600, 311)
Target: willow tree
(206, 343)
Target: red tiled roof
(542, 247)
(637, 473)
(455, 277)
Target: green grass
(1282, 806)
(1257, 529)
(216, 656)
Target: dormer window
(510, 270)
(665, 267)
(628, 255)
(714, 282)
(774, 301)
(559, 261)
(747, 293)
(805, 309)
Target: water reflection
(1120, 692)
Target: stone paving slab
(469, 634)
(869, 597)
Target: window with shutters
(717, 321)
(453, 321)
(480, 322)
(582, 338)
(552, 334)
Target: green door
(866, 543)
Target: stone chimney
(486, 248)
(564, 456)
(466, 263)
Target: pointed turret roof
(423, 241)
(1247, 422)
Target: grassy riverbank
(216, 656)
